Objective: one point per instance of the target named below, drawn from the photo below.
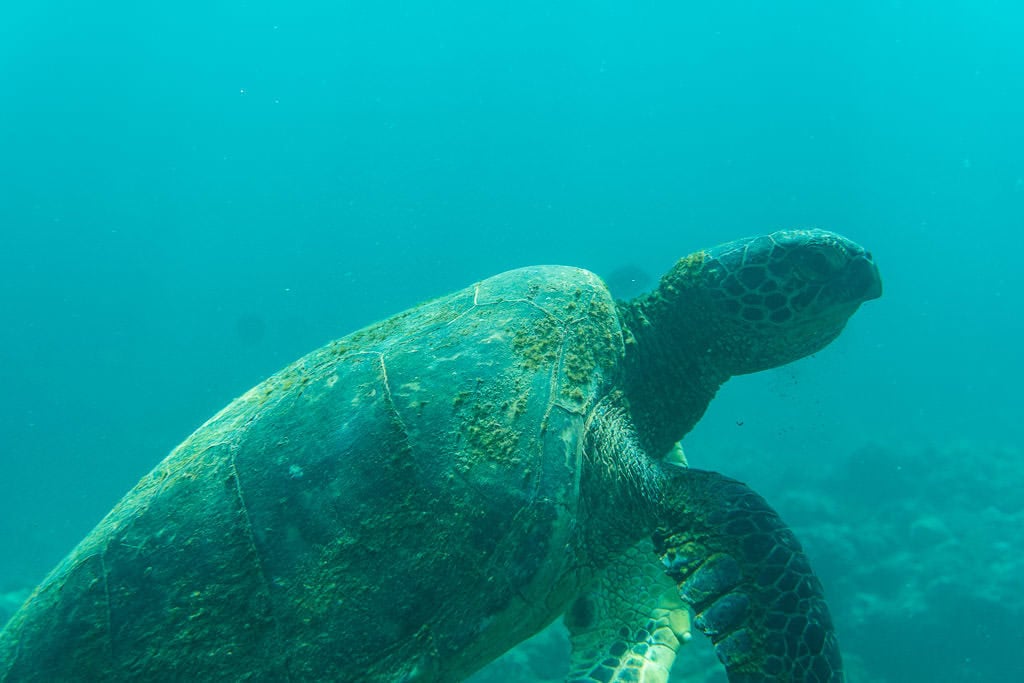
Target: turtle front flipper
(748, 581)
(629, 625)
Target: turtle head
(740, 307)
(773, 299)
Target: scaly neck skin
(621, 487)
(671, 354)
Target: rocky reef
(923, 556)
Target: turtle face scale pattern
(411, 500)
(785, 295)
(791, 274)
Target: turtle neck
(671, 353)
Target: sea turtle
(410, 501)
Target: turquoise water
(194, 194)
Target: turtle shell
(397, 505)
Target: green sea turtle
(410, 501)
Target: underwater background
(194, 194)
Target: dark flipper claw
(744, 574)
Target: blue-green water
(194, 194)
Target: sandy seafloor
(193, 195)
